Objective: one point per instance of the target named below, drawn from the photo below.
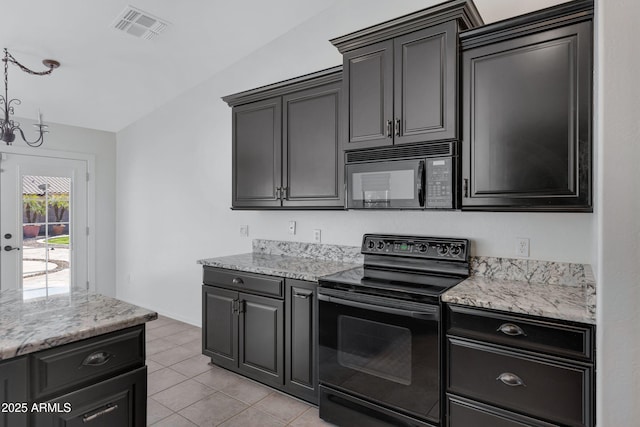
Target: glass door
(43, 224)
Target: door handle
(9, 248)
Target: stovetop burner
(415, 268)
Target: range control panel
(416, 246)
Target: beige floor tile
(158, 345)
(156, 412)
(310, 419)
(218, 378)
(172, 355)
(175, 420)
(150, 336)
(153, 366)
(247, 391)
(213, 410)
(185, 336)
(163, 379)
(193, 366)
(159, 322)
(282, 407)
(172, 328)
(195, 346)
(252, 417)
(182, 395)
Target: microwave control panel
(439, 183)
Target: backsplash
(532, 271)
(340, 253)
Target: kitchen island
(72, 357)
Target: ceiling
(109, 79)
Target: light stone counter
(27, 326)
(553, 290)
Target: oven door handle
(423, 315)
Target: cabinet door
(527, 114)
(313, 164)
(300, 339)
(257, 149)
(220, 326)
(261, 338)
(426, 85)
(119, 401)
(368, 106)
(13, 389)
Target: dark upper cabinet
(527, 111)
(286, 144)
(400, 77)
(312, 170)
(257, 133)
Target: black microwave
(416, 183)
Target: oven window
(375, 348)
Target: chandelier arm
(10, 58)
(37, 143)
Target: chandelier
(8, 126)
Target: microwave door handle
(420, 185)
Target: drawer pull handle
(105, 411)
(237, 281)
(97, 359)
(511, 330)
(512, 380)
(302, 295)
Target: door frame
(91, 196)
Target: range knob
(422, 247)
(455, 250)
(442, 250)
(381, 245)
(371, 244)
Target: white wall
(618, 213)
(174, 182)
(102, 145)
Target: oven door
(382, 351)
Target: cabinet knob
(389, 129)
(511, 330)
(512, 380)
(237, 281)
(397, 127)
(98, 358)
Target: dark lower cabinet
(245, 333)
(524, 379)
(14, 376)
(301, 311)
(527, 112)
(119, 401)
(263, 327)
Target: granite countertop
(36, 324)
(301, 268)
(552, 290)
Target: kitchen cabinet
(286, 144)
(13, 390)
(243, 332)
(400, 77)
(527, 112)
(301, 312)
(510, 370)
(263, 327)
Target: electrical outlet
(317, 235)
(522, 247)
(292, 227)
(244, 230)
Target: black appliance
(380, 179)
(380, 333)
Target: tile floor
(183, 389)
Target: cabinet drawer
(119, 401)
(244, 282)
(464, 413)
(548, 337)
(551, 390)
(78, 363)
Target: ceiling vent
(139, 23)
